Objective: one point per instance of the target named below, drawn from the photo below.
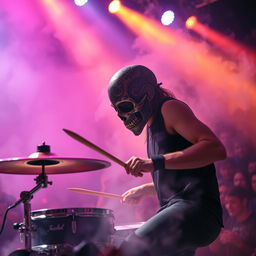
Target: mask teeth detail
(132, 123)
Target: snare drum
(70, 226)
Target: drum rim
(44, 247)
(75, 211)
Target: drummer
(181, 152)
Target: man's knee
(134, 245)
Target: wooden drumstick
(95, 193)
(93, 146)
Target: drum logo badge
(59, 227)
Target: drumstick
(93, 146)
(95, 193)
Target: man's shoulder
(252, 218)
(250, 222)
(175, 106)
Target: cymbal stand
(25, 198)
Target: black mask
(131, 91)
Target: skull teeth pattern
(132, 123)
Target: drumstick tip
(66, 130)
(70, 133)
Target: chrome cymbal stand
(26, 197)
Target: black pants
(177, 230)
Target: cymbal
(53, 164)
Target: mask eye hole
(125, 106)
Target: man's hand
(136, 166)
(136, 194)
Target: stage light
(80, 2)
(190, 22)
(114, 6)
(167, 18)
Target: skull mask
(131, 91)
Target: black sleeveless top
(198, 184)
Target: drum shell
(71, 226)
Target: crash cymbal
(53, 164)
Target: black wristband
(158, 162)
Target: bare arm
(134, 195)
(206, 146)
(179, 119)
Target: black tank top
(199, 184)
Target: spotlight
(114, 6)
(80, 2)
(167, 18)
(190, 22)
